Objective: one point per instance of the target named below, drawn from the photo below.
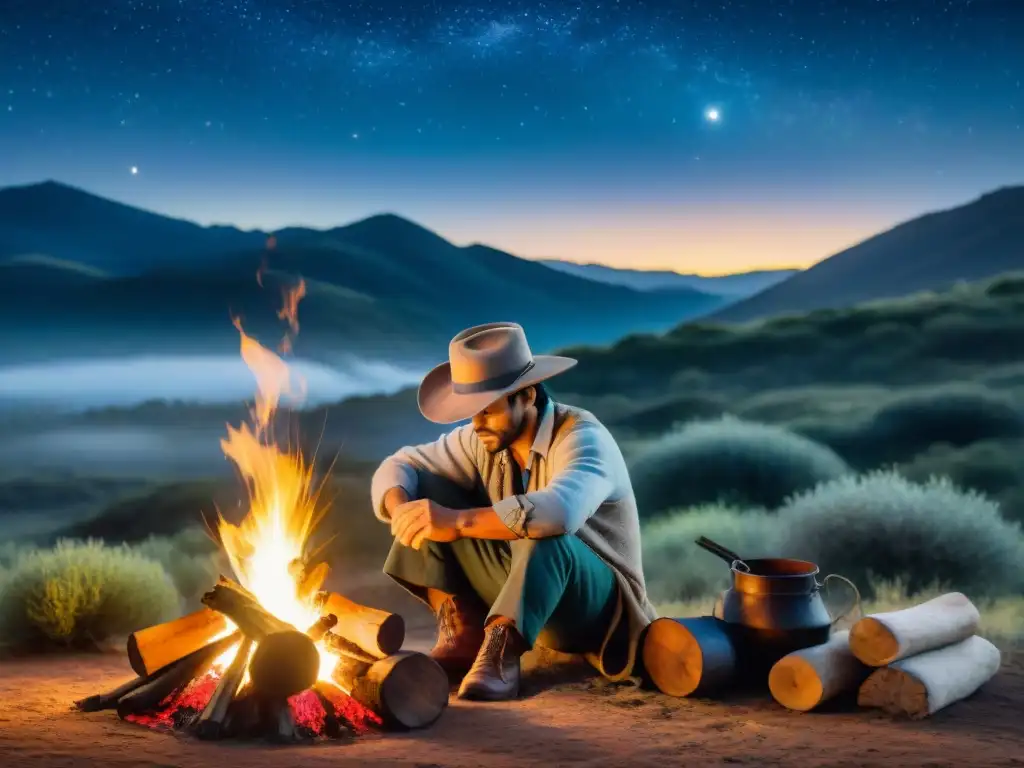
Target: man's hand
(421, 520)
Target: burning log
(407, 689)
(375, 631)
(211, 722)
(245, 610)
(243, 716)
(284, 663)
(344, 649)
(276, 720)
(172, 678)
(322, 627)
(155, 647)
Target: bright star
(712, 115)
(135, 170)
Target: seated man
(518, 528)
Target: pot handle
(855, 603)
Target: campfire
(272, 654)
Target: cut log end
(683, 657)
(407, 690)
(283, 664)
(895, 692)
(874, 643)
(922, 685)
(672, 658)
(795, 684)
(391, 634)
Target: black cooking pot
(775, 607)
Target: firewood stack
(374, 682)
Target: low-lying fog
(82, 384)
(135, 450)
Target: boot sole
(473, 694)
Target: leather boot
(494, 675)
(460, 633)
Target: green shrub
(911, 423)
(992, 467)
(80, 594)
(675, 568)
(883, 526)
(729, 461)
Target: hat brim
(440, 403)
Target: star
(134, 170)
(712, 114)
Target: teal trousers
(557, 591)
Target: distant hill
(970, 242)
(72, 225)
(740, 285)
(645, 383)
(106, 278)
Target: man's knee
(555, 550)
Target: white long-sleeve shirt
(576, 484)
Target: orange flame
(283, 511)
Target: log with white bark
(922, 685)
(804, 679)
(883, 638)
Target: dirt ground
(564, 718)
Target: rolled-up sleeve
(583, 478)
(452, 456)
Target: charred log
(407, 690)
(244, 610)
(211, 722)
(172, 678)
(283, 664)
(324, 625)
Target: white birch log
(922, 685)
(883, 638)
(806, 678)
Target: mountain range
(738, 285)
(969, 242)
(82, 275)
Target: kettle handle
(855, 603)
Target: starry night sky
(551, 129)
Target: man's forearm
(482, 523)
(393, 498)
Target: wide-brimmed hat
(485, 363)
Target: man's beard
(506, 439)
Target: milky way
(490, 120)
